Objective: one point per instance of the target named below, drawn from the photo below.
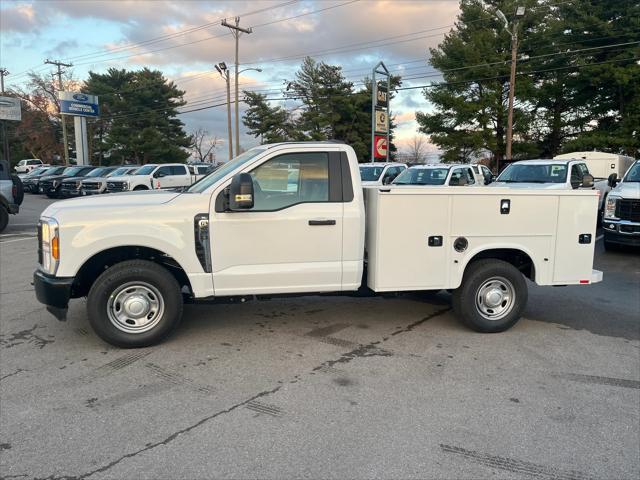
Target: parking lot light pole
(224, 73)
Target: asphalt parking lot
(324, 387)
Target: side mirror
(455, 182)
(159, 175)
(612, 181)
(241, 192)
(387, 179)
(587, 181)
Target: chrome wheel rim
(135, 307)
(495, 298)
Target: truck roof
(381, 164)
(440, 165)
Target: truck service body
(290, 219)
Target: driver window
(290, 179)
(470, 177)
(163, 171)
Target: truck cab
(553, 174)
(289, 219)
(152, 177)
(621, 219)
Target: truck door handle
(321, 222)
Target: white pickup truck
(444, 174)
(289, 218)
(553, 175)
(621, 222)
(152, 176)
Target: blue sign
(79, 104)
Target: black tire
(113, 279)
(19, 196)
(4, 218)
(476, 276)
(140, 187)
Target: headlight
(55, 183)
(125, 185)
(610, 207)
(49, 245)
(78, 184)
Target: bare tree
(417, 149)
(203, 145)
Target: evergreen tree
(138, 117)
(271, 124)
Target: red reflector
(584, 281)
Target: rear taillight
(14, 191)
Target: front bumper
(54, 292)
(66, 192)
(622, 232)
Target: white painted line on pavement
(17, 240)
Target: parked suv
(31, 182)
(152, 176)
(51, 184)
(621, 220)
(96, 185)
(25, 166)
(11, 194)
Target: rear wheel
(136, 303)
(18, 195)
(140, 187)
(492, 296)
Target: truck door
(291, 240)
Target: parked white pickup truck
(443, 174)
(289, 218)
(621, 220)
(152, 176)
(375, 174)
(552, 174)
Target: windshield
(221, 172)
(146, 170)
(118, 171)
(371, 173)
(98, 172)
(37, 171)
(71, 171)
(523, 173)
(633, 175)
(422, 176)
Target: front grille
(46, 185)
(627, 209)
(116, 186)
(40, 243)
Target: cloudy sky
(184, 39)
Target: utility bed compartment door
(399, 230)
(577, 218)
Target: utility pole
(5, 140)
(236, 31)
(59, 64)
(224, 73)
(512, 79)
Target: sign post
(380, 113)
(80, 106)
(10, 111)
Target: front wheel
(136, 303)
(492, 296)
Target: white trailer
(601, 164)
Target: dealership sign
(79, 104)
(10, 109)
(382, 121)
(380, 143)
